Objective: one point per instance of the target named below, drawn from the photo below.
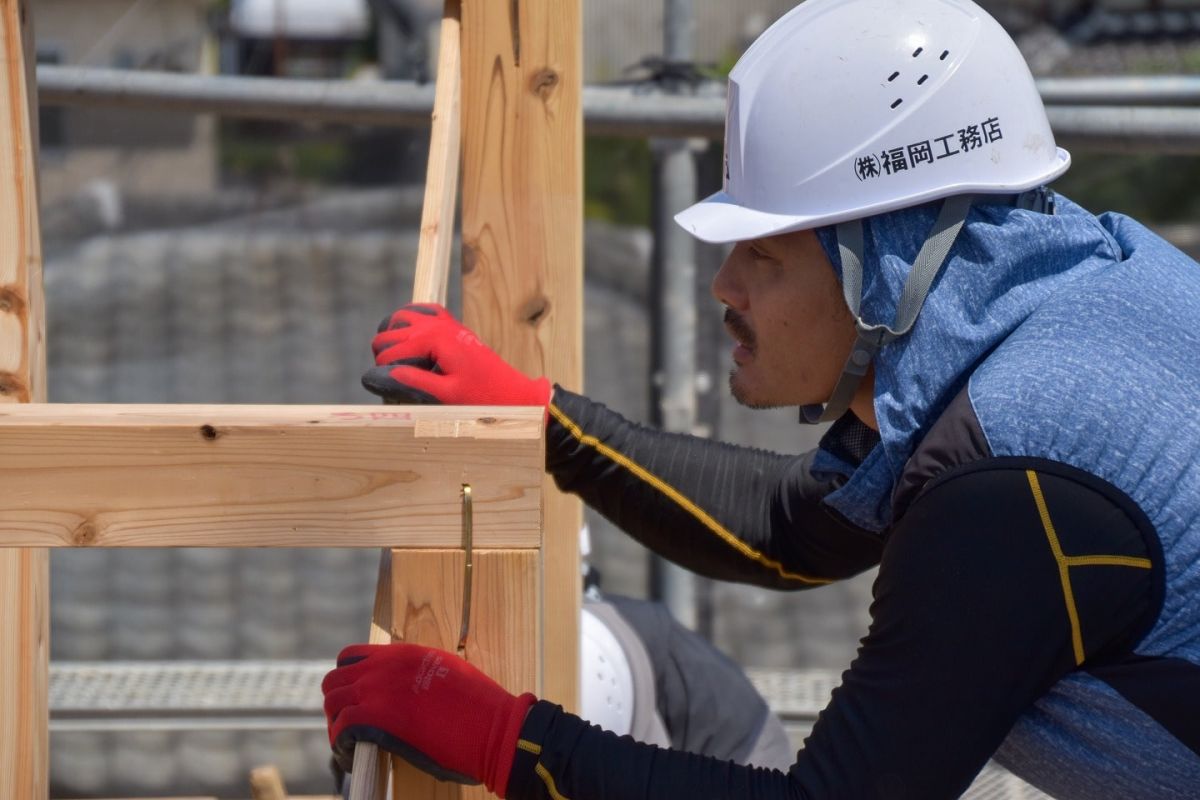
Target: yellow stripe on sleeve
(548, 779)
(679, 499)
(529, 747)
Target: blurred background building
(194, 259)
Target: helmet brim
(719, 219)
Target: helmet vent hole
(918, 51)
(898, 102)
(922, 79)
(893, 76)
(942, 57)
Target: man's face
(785, 313)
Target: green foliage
(256, 161)
(1150, 188)
(250, 161)
(1185, 61)
(725, 65)
(320, 161)
(617, 180)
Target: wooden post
(522, 232)
(22, 308)
(24, 574)
(504, 636)
(267, 784)
(430, 285)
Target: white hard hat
(606, 679)
(848, 108)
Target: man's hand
(427, 706)
(425, 356)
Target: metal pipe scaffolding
(674, 270)
(400, 104)
(1141, 121)
(1121, 90)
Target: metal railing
(165, 697)
(1160, 114)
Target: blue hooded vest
(1077, 339)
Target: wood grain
(430, 285)
(267, 784)
(266, 476)
(504, 628)
(522, 235)
(441, 175)
(24, 664)
(24, 574)
(22, 313)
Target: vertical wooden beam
(24, 574)
(522, 232)
(432, 277)
(22, 313)
(430, 285)
(24, 660)
(267, 784)
(504, 631)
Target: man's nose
(726, 287)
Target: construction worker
(1013, 385)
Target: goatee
(744, 399)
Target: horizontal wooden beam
(267, 476)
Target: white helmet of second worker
(606, 687)
(849, 108)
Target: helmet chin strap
(872, 337)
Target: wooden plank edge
(505, 422)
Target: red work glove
(427, 706)
(425, 356)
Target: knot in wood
(12, 386)
(470, 257)
(209, 433)
(543, 83)
(12, 301)
(534, 311)
(84, 535)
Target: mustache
(737, 326)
